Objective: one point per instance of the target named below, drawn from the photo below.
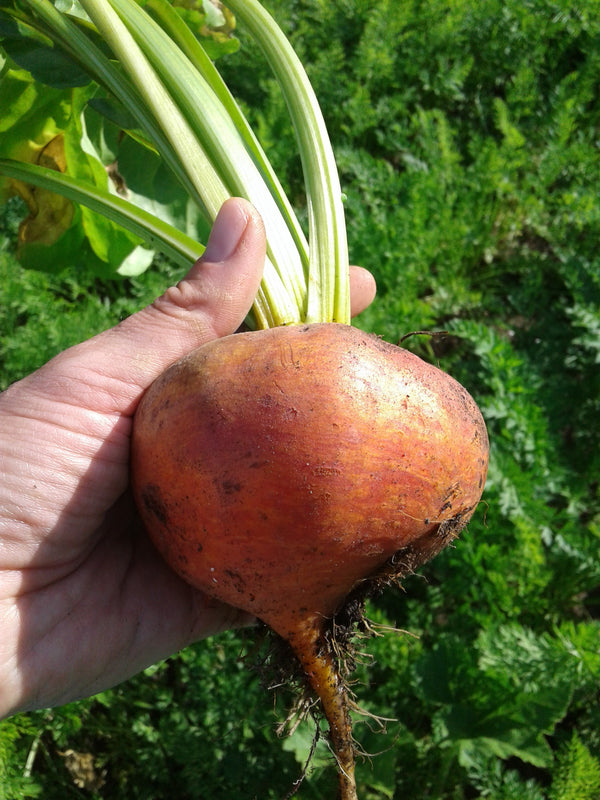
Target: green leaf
(31, 115)
(111, 243)
(518, 684)
(16, 733)
(35, 53)
(499, 736)
(577, 773)
(151, 186)
(156, 232)
(305, 749)
(32, 118)
(48, 65)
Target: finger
(362, 289)
(219, 289)
(211, 301)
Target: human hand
(85, 600)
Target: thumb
(211, 301)
(213, 298)
(218, 291)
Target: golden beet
(283, 470)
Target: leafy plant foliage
(466, 136)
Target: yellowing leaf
(49, 214)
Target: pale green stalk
(204, 178)
(328, 289)
(274, 305)
(226, 150)
(179, 32)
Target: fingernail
(230, 224)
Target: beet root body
(281, 470)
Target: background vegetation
(467, 136)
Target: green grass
(466, 135)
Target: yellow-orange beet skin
(276, 470)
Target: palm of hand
(92, 601)
(85, 601)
